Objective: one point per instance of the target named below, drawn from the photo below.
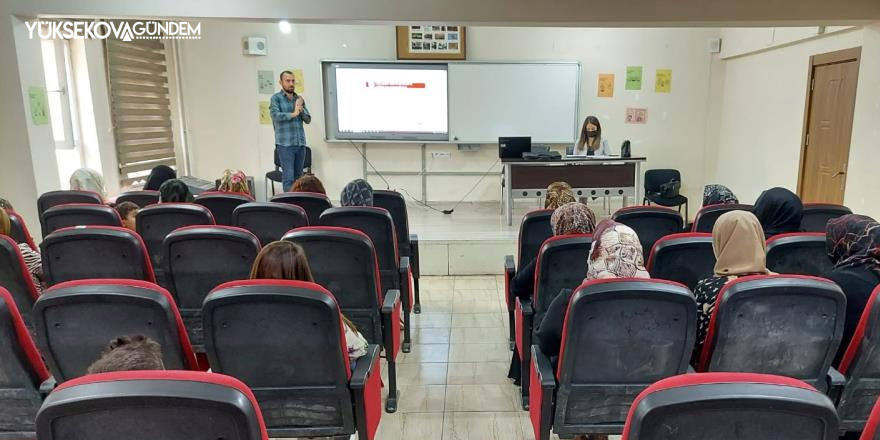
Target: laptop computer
(514, 147)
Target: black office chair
(275, 175)
(654, 179)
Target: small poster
(299, 85)
(266, 82)
(431, 42)
(634, 78)
(39, 105)
(663, 83)
(265, 116)
(636, 116)
(606, 85)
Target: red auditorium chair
(798, 253)
(200, 258)
(685, 258)
(788, 325)
(313, 203)
(52, 198)
(285, 340)
(142, 198)
(222, 204)
(86, 252)
(15, 277)
(407, 244)
(651, 223)
(708, 215)
(77, 214)
(19, 231)
(344, 262)
(561, 264)
(23, 372)
(731, 406)
(269, 221)
(871, 432)
(394, 271)
(151, 405)
(861, 367)
(76, 320)
(619, 336)
(155, 222)
(533, 230)
(816, 215)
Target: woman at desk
(591, 142)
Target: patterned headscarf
(715, 194)
(738, 242)
(87, 179)
(780, 211)
(573, 218)
(358, 192)
(616, 253)
(558, 194)
(234, 181)
(174, 191)
(854, 241)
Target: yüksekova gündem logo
(123, 30)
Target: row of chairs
(283, 339)
(622, 335)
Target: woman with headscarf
(87, 179)
(715, 194)
(853, 245)
(558, 194)
(358, 192)
(570, 218)
(174, 191)
(779, 211)
(740, 250)
(158, 176)
(234, 181)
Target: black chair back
(77, 214)
(655, 178)
(561, 264)
(313, 203)
(816, 215)
(379, 226)
(86, 252)
(142, 198)
(861, 366)
(799, 253)
(533, 231)
(708, 215)
(155, 222)
(222, 204)
(269, 221)
(685, 258)
(394, 203)
(19, 231)
(15, 277)
(52, 198)
(651, 223)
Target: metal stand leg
(508, 199)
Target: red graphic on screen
(406, 86)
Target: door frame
(835, 57)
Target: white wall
(220, 94)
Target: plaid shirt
(288, 129)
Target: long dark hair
(583, 139)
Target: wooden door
(828, 127)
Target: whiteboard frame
(324, 97)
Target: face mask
(592, 133)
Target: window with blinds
(141, 107)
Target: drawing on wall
(606, 85)
(663, 83)
(39, 105)
(636, 115)
(266, 82)
(634, 78)
(265, 116)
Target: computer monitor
(514, 147)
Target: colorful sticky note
(265, 116)
(39, 105)
(266, 82)
(663, 83)
(606, 85)
(636, 115)
(634, 78)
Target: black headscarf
(779, 211)
(158, 176)
(174, 191)
(854, 241)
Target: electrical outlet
(441, 154)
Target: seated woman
(87, 179)
(591, 142)
(234, 181)
(285, 260)
(158, 176)
(308, 183)
(358, 192)
(32, 260)
(129, 353)
(558, 194)
(715, 194)
(853, 244)
(779, 211)
(740, 250)
(174, 191)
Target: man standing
(289, 112)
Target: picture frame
(431, 42)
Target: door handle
(839, 173)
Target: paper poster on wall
(663, 83)
(265, 116)
(606, 85)
(39, 105)
(266, 82)
(636, 115)
(300, 85)
(633, 77)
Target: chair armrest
(546, 378)
(525, 306)
(404, 264)
(366, 390)
(364, 368)
(392, 296)
(47, 386)
(391, 312)
(414, 252)
(542, 387)
(509, 272)
(835, 381)
(509, 264)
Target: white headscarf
(87, 179)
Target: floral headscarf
(558, 194)
(715, 194)
(234, 181)
(854, 241)
(616, 253)
(573, 218)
